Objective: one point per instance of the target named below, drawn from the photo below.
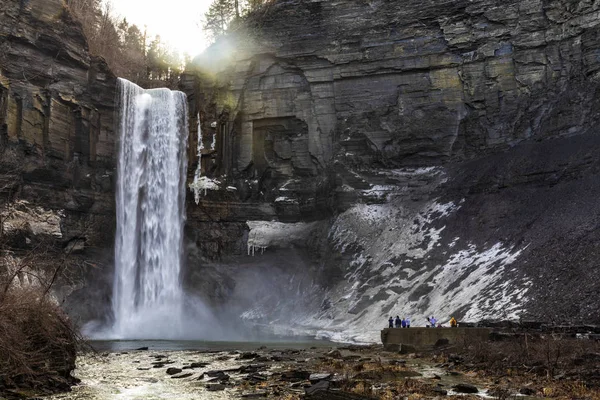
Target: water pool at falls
(148, 300)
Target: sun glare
(178, 22)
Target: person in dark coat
(398, 322)
(391, 322)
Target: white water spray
(148, 296)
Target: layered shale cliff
(413, 158)
(57, 143)
(361, 159)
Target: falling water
(148, 297)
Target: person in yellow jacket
(453, 323)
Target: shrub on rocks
(38, 347)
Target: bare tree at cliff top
(125, 47)
(223, 14)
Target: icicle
(198, 173)
(214, 141)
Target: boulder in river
(465, 388)
(173, 371)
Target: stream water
(119, 370)
(115, 370)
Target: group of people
(399, 323)
(432, 322)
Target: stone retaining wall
(422, 337)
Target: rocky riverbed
(316, 372)
(263, 373)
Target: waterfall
(148, 296)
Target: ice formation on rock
(195, 186)
(270, 233)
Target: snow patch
(203, 184)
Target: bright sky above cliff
(176, 21)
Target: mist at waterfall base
(148, 299)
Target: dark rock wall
(396, 83)
(441, 146)
(322, 105)
(57, 141)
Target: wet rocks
(295, 376)
(334, 354)
(185, 375)
(255, 378)
(336, 395)
(254, 395)
(160, 364)
(195, 365)
(252, 368)
(248, 356)
(314, 378)
(319, 386)
(377, 375)
(214, 373)
(465, 388)
(527, 391)
(439, 391)
(215, 387)
(173, 371)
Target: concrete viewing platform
(427, 337)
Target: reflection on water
(202, 345)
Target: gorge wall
(371, 158)
(57, 150)
(412, 158)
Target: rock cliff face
(447, 149)
(371, 158)
(57, 145)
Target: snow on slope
(400, 258)
(395, 273)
